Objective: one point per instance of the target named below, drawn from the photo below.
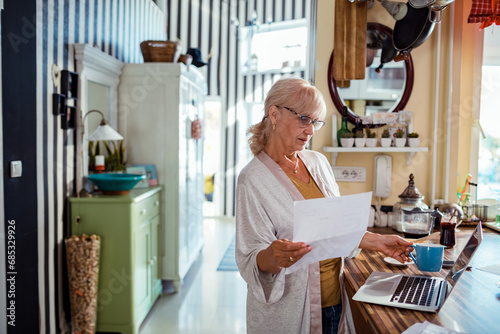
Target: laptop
(421, 293)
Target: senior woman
(308, 300)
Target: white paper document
(428, 328)
(332, 226)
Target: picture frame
(139, 170)
(150, 174)
(68, 118)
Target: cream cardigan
(282, 303)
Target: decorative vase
(386, 142)
(359, 142)
(83, 271)
(346, 142)
(413, 142)
(371, 142)
(400, 142)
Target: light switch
(16, 168)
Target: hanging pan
(412, 30)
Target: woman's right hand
(281, 253)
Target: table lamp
(103, 132)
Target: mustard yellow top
(329, 269)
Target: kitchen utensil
(412, 30)
(350, 40)
(410, 198)
(464, 189)
(388, 53)
(453, 210)
(418, 223)
(429, 257)
(394, 262)
(420, 3)
(448, 228)
(438, 6)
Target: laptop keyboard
(414, 290)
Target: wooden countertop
(472, 307)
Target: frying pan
(412, 30)
(376, 39)
(388, 53)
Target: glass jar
(467, 207)
(410, 198)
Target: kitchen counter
(472, 306)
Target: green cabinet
(129, 281)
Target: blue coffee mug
(429, 256)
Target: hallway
(209, 301)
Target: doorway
(212, 155)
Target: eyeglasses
(305, 121)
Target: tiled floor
(209, 301)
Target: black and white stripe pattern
(206, 24)
(117, 27)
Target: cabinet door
(195, 177)
(155, 260)
(142, 269)
(184, 164)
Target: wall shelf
(410, 151)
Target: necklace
(296, 166)
(296, 169)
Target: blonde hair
(294, 93)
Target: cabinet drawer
(145, 210)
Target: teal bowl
(115, 183)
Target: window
(489, 145)
(277, 46)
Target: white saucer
(394, 262)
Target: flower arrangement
(399, 133)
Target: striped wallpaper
(206, 24)
(38, 200)
(116, 27)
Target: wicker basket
(160, 51)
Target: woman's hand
(281, 253)
(389, 245)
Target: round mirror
(387, 85)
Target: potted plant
(346, 139)
(359, 138)
(413, 140)
(386, 139)
(371, 138)
(399, 141)
(115, 160)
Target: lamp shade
(105, 132)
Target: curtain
(486, 12)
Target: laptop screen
(465, 256)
